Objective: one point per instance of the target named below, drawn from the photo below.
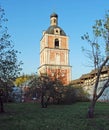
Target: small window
(54, 20)
(56, 31)
(56, 43)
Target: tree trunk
(1, 105)
(42, 101)
(7, 95)
(90, 113)
(95, 96)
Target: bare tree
(100, 35)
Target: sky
(27, 19)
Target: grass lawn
(29, 116)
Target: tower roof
(50, 30)
(53, 15)
(54, 25)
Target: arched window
(56, 43)
(54, 20)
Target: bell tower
(54, 52)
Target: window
(54, 20)
(56, 43)
(57, 31)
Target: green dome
(50, 30)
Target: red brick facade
(54, 53)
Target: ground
(30, 116)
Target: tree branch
(103, 88)
(98, 76)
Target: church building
(54, 52)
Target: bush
(81, 95)
(73, 94)
(69, 95)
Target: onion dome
(53, 15)
(54, 28)
(50, 30)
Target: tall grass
(30, 116)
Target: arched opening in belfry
(56, 43)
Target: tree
(41, 85)
(19, 81)
(32, 91)
(1, 100)
(100, 35)
(9, 65)
(47, 87)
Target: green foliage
(54, 92)
(75, 94)
(96, 52)
(23, 78)
(29, 116)
(47, 88)
(69, 95)
(100, 35)
(9, 65)
(81, 94)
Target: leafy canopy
(9, 65)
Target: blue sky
(28, 19)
